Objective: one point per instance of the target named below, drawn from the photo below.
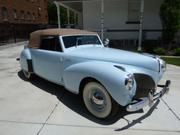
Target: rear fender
(26, 60)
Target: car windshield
(78, 40)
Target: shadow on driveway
(75, 103)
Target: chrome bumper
(142, 102)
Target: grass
(174, 61)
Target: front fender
(155, 76)
(112, 78)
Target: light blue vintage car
(105, 78)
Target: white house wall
(116, 16)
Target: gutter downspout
(102, 20)
(141, 26)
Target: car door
(47, 60)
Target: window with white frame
(33, 16)
(15, 14)
(134, 10)
(4, 13)
(28, 16)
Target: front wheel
(98, 101)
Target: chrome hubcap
(98, 99)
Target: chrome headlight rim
(129, 82)
(163, 65)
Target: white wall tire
(27, 74)
(97, 100)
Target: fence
(10, 33)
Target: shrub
(52, 13)
(177, 52)
(170, 17)
(149, 45)
(160, 51)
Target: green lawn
(174, 61)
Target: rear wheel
(98, 101)
(27, 74)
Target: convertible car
(106, 78)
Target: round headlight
(129, 82)
(163, 65)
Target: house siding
(116, 16)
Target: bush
(170, 17)
(149, 45)
(177, 52)
(160, 51)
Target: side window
(50, 43)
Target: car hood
(116, 56)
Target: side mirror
(106, 42)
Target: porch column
(58, 13)
(75, 19)
(68, 17)
(141, 26)
(102, 20)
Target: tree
(170, 18)
(63, 14)
(52, 12)
(71, 17)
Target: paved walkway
(171, 56)
(42, 108)
(13, 45)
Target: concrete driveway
(40, 107)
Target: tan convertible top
(36, 36)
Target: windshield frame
(64, 48)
